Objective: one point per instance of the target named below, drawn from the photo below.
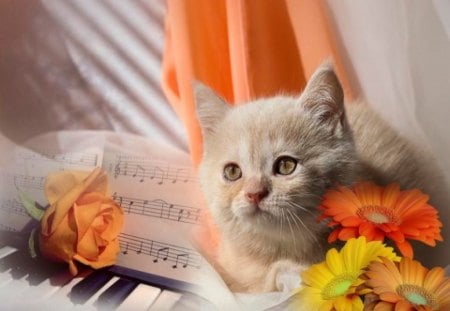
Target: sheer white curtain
(399, 52)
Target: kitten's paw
(283, 275)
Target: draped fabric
(243, 49)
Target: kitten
(267, 164)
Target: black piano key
(42, 270)
(35, 270)
(89, 286)
(117, 293)
(10, 261)
(14, 239)
(23, 266)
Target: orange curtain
(243, 49)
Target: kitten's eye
(232, 172)
(284, 165)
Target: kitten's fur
(333, 147)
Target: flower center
(417, 295)
(377, 214)
(337, 286)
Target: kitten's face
(266, 164)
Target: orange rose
(81, 224)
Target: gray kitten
(267, 164)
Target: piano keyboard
(28, 283)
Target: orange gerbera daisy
(377, 212)
(407, 286)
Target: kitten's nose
(256, 197)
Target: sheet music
(159, 208)
(176, 256)
(12, 206)
(154, 184)
(27, 172)
(67, 159)
(160, 198)
(148, 171)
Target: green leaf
(32, 244)
(30, 206)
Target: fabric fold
(243, 50)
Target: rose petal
(59, 245)
(59, 183)
(84, 216)
(90, 197)
(106, 258)
(87, 246)
(115, 225)
(57, 211)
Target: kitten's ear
(211, 108)
(323, 96)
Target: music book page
(154, 184)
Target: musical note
(180, 214)
(158, 173)
(165, 251)
(139, 171)
(126, 249)
(129, 206)
(185, 258)
(181, 174)
(139, 251)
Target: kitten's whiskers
(296, 205)
(311, 234)
(300, 221)
(290, 226)
(281, 224)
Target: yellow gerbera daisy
(331, 285)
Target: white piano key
(90, 304)
(141, 298)
(22, 296)
(165, 301)
(12, 290)
(7, 250)
(60, 299)
(48, 287)
(5, 278)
